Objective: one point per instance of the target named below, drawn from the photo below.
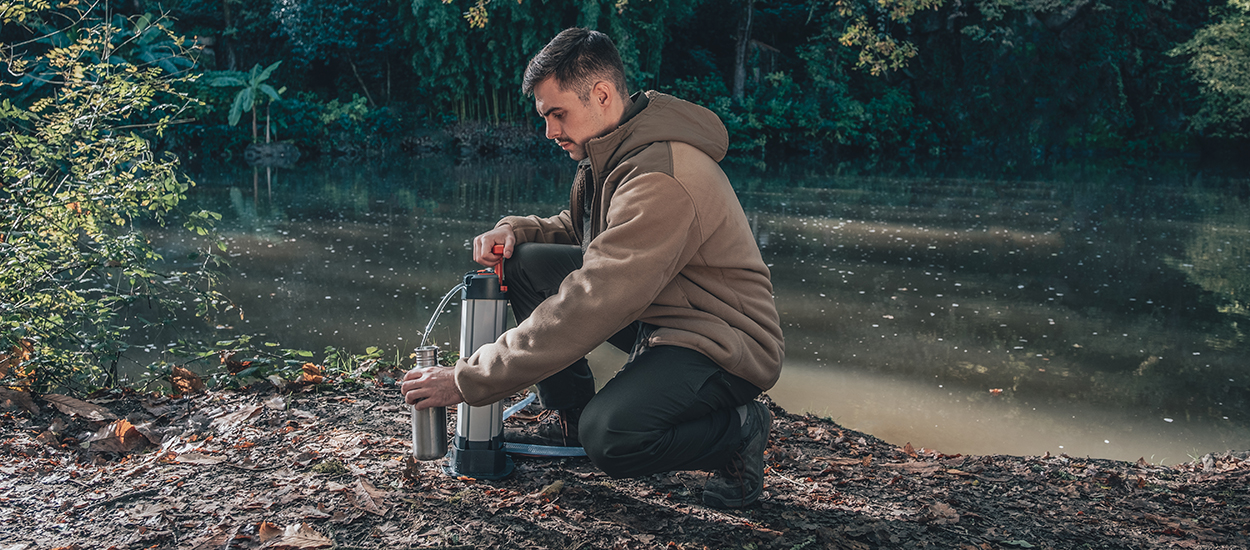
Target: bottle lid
(427, 356)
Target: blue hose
(536, 450)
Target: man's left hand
(430, 387)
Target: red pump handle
(498, 249)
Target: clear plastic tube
(438, 311)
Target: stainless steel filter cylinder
(429, 426)
(478, 449)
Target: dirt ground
(328, 469)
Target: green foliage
(152, 45)
(242, 360)
(711, 92)
(1046, 79)
(80, 181)
(783, 116)
(1219, 57)
(473, 73)
(332, 467)
(360, 37)
(1055, 78)
(354, 123)
(808, 108)
(872, 28)
(21, 12)
(347, 114)
(474, 59)
(320, 31)
(237, 34)
(448, 357)
(249, 358)
(253, 88)
(302, 119)
(144, 41)
(373, 364)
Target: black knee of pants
(535, 271)
(533, 274)
(669, 409)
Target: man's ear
(603, 93)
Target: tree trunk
(362, 84)
(228, 41)
(740, 51)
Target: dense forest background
(1032, 81)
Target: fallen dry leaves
(10, 399)
(72, 406)
(312, 374)
(368, 498)
(183, 381)
(248, 470)
(293, 537)
(11, 360)
(118, 437)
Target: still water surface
(1092, 315)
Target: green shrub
(80, 181)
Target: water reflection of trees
(1050, 291)
(1217, 258)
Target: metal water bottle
(478, 448)
(429, 426)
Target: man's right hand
(484, 243)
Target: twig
(230, 539)
(256, 469)
(785, 477)
(124, 496)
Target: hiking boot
(555, 429)
(740, 481)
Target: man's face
(571, 122)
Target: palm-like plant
(253, 89)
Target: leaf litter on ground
(260, 469)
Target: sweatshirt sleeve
(652, 233)
(557, 229)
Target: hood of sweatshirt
(665, 118)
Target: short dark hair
(577, 57)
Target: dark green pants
(669, 408)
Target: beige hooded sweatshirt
(667, 244)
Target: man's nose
(553, 131)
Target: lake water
(1092, 314)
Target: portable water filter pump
(478, 448)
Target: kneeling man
(655, 256)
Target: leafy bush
(246, 360)
(80, 180)
(303, 119)
(1218, 57)
(780, 117)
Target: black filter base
(479, 463)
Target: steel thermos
(429, 426)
